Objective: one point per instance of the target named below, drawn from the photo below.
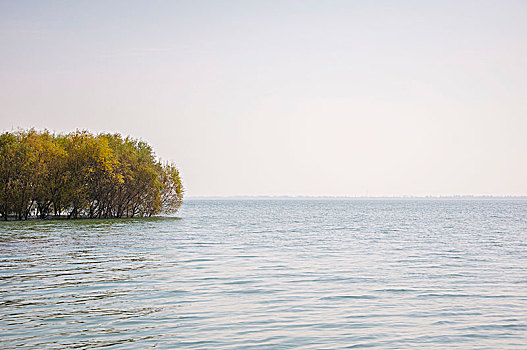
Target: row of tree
(83, 175)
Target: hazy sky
(284, 97)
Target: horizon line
(424, 197)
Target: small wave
(340, 297)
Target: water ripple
(271, 274)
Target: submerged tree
(83, 175)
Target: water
(271, 275)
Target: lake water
(272, 275)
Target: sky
(315, 98)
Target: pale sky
(337, 98)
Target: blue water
(271, 275)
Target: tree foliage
(83, 175)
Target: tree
(83, 175)
(172, 192)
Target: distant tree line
(80, 174)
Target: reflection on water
(273, 274)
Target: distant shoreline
(358, 198)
